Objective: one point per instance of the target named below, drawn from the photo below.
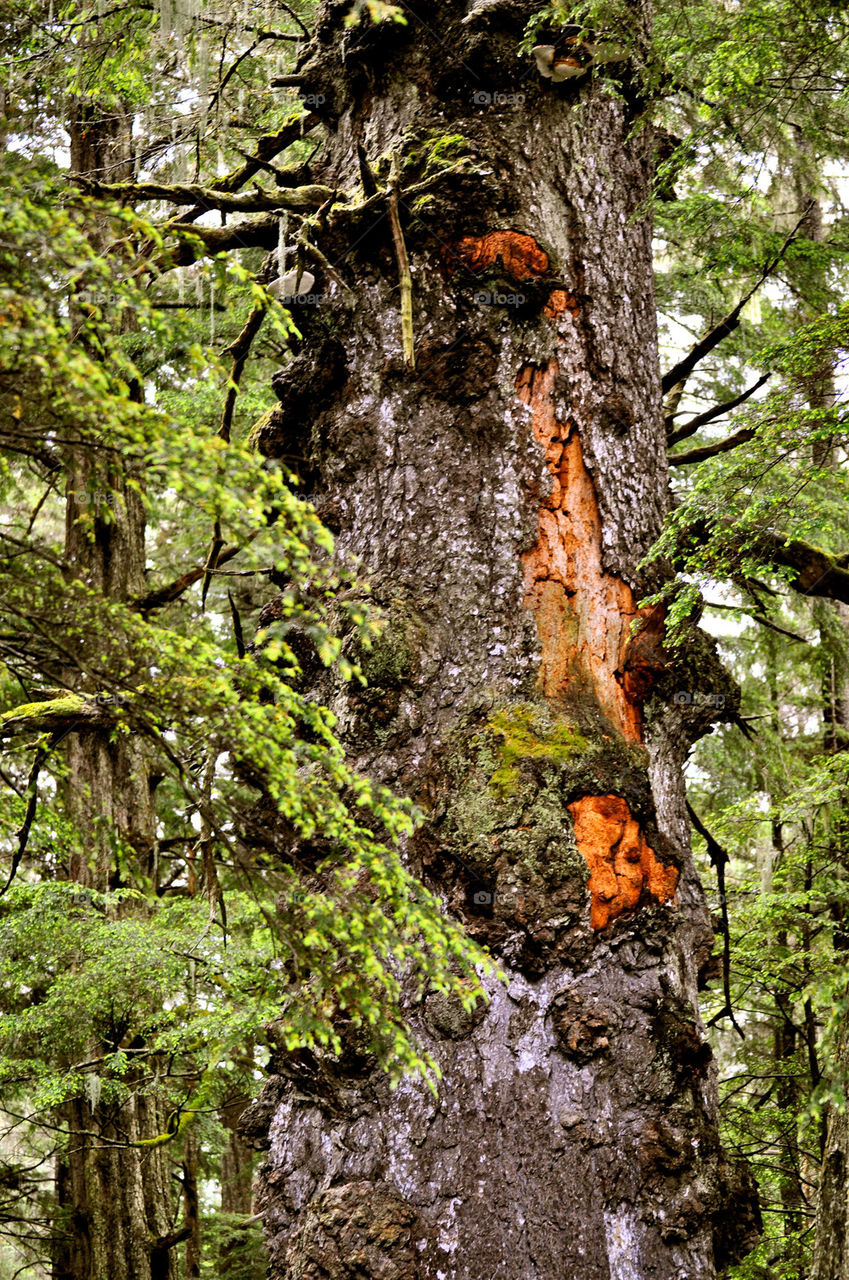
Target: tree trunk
(114, 1196)
(236, 1160)
(238, 1246)
(191, 1209)
(501, 496)
(831, 1258)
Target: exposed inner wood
(623, 869)
(583, 614)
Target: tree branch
(300, 199)
(173, 590)
(702, 419)
(267, 147)
(758, 617)
(163, 1243)
(405, 279)
(55, 716)
(719, 858)
(817, 573)
(202, 242)
(711, 450)
(682, 370)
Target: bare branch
(758, 617)
(301, 199)
(674, 434)
(711, 450)
(173, 590)
(682, 370)
(719, 858)
(202, 242)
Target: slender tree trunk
(236, 1191)
(831, 1261)
(236, 1160)
(831, 1257)
(502, 496)
(191, 1208)
(114, 1196)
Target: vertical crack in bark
(583, 614)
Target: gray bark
(501, 498)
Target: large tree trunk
(502, 496)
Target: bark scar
(518, 256)
(623, 869)
(521, 257)
(583, 614)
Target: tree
(165, 742)
(499, 466)
(471, 397)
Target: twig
(719, 858)
(405, 279)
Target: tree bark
(831, 1260)
(501, 497)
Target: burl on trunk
(501, 496)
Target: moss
(512, 778)
(256, 432)
(426, 158)
(501, 806)
(504, 823)
(528, 732)
(68, 704)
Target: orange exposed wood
(623, 869)
(521, 257)
(560, 300)
(515, 254)
(583, 614)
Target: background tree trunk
(502, 496)
(115, 1197)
